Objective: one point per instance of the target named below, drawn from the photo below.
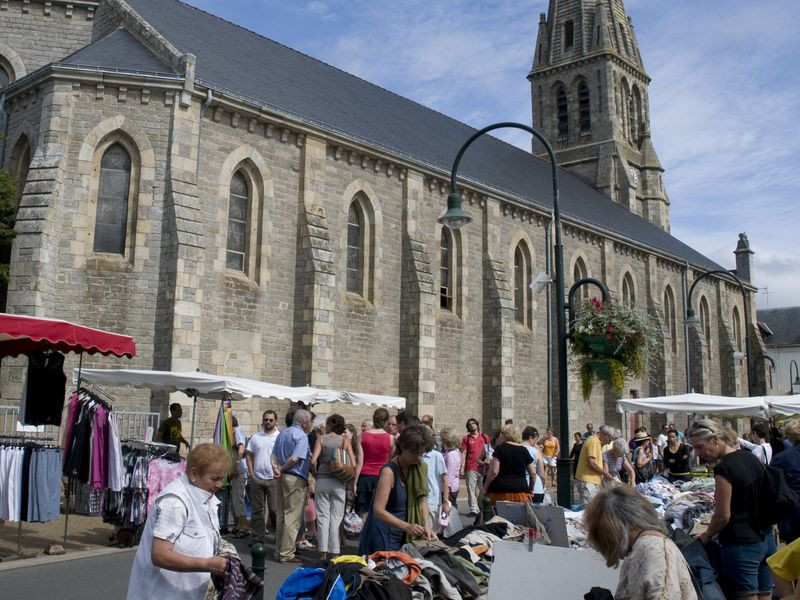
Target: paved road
(104, 577)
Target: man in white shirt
(758, 444)
(263, 486)
(661, 443)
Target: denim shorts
(744, 567)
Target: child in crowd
(452, 461)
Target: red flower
(610, 336)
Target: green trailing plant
(611, 341)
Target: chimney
(744, 259)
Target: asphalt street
(107, 576)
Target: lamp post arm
(573, 290)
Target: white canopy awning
(783, 405)
(701, 404)
(213, 386)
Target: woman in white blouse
(177, 552)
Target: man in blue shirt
(291, 464)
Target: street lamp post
(455, 218)
(796, 375)
(692, 321)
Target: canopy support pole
(69, 479)
(194, 414)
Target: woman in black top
(677, 457)
(575, 453)
(738, 477)
(510, 462)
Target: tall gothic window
(705, 323)
(446, 270)
(20, 164)
(5, 77)
(111, 223)
(669, 318)
(238, 222)
(635, 114)
(584, 109)
(355, 249)
(523, 295)
(628, 292)
(624, 38)
(579, 271)
(569, 35)
(562, 110)
(737, 329)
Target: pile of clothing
(687, 507)
(455, 568)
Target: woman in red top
(376, 448)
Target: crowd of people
(402, 477)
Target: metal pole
(687, 364)
(194, 414)
(549, 309)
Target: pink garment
(160, 473)
(99, 476)
(69, 421)
(452, 460)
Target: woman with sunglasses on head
(738, 477)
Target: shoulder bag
(341, 468)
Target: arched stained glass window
(238, 209)
(111, 223)
(669, 318)
(355, 249)
(628, 292)
(579, 272)
(446, 270)
(523, 295)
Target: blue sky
(724, 100)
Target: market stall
(697, 404)
(20, 334)
(196, 385)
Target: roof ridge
(339, 69)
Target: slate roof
(118, 50)
(784, 323)
(231, 57)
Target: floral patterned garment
(655, 570)
(161, 473)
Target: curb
(74, 555)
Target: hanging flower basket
(611, 342)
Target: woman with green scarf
(399, 509)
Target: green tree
(7, 233)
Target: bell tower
(589, 98)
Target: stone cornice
(590, 59)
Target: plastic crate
(88, 501)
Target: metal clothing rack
(19, 439)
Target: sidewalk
(84, 533)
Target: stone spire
(589, 93)
(744, 259)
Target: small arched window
(562, 110)
(238, 222)
(737, 329)
(628, 292)
(584, 109)
(446, 270)
(669, 318)
(355, 249)
(523, 295)
(111, 223)
(579, 272)
(705, 323)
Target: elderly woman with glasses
(621, 524)
(738, 477)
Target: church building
(239, 207)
